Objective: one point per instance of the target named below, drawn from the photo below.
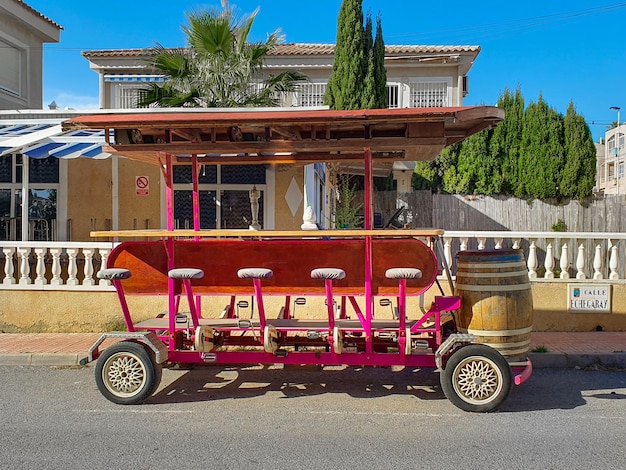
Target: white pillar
(564, 262)
(580, 262)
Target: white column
(25, 193)
(40, 268)
(564, 262)
(613, 263)
(549, 263)
(532, 261)
(72, 268)
(104, 256)
(56, 266)
(580, 262)
(447, 250)
(597, 263)
(88, 269)
(8, 265)
(309, 188)
(464, 242)
(24, 266)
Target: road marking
(126, 410)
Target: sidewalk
(573, 349)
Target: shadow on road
(217, 383)
(547, 389)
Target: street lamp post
(617, 147)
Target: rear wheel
(127, 374)
(476, 378)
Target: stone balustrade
(54, 265)
(549, 255)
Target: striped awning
(129, 77)
(43, 140)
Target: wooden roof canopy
(284, 136)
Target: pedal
(281, 353)
(387, 335)
(244, 324)
(420, 344)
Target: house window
(126, 96)
(11, 59)
(224, 195)
(310, 94)
(393, 93)
(429, 94)
(43, 187)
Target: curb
(41, 359)
(571, 361)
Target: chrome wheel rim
(124, 374)
(477, 380)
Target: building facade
(23, 31)
(68, 197)
(610, 177)
(417, 76)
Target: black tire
(127, 374)
(476, 378)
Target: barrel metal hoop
(519, 331)
(492, 288)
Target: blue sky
(567, 51)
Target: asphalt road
(306, 418)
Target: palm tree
(219, 67)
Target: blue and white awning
(43, 140)
(127, 77)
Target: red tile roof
(43, 17)
(305, 49)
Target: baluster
(8, 266)
(498, 242)
(481, 243)
(580, 262)
(24, 266)
(88, 269)
(41, 266)
(72, 268)
(564, 262)
(517, 243)
(464, 242)
(532, 261)
(56, 267)
(597, 263)
(447, 250)
(613, 263)
(549, 263)
(104, 256)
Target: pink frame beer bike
(349, 269)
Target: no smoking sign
(142, 185)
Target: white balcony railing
(549, 255)
(54, 265)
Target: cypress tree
(380, 73)
(368, 98)
(542, 155)
(506, 139)
(345, 85)
(578, 176)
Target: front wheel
(476, 378)
(127, 374)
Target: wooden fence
(454, 212)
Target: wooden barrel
(496, 299)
